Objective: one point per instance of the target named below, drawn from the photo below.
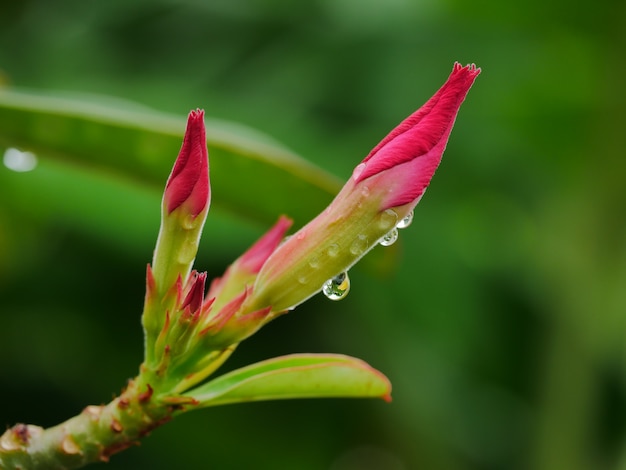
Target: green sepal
(295, 376)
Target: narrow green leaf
(108, 209)
(250, 174)
(125, 145)
(295, 376)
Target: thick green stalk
(92, 436)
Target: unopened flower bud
(185, 206)
(383, 189)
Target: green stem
(92, 436)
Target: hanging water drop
(390, 238)
(406, 221)
(337, 287)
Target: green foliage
(294, 376)
(138, 144)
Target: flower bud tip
(404, 162)
(254, 258)
(195, 296)
(189, 180)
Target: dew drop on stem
(359, 245)
(389, 238)
(406, 221)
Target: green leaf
(117, 156)
(251, 174)
(295, 376)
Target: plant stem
(92, 436)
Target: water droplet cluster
(390, 237)
(339, 286)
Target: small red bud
(195, 296)
(189, 180)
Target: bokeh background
(502, 324)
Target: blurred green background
(502, 323)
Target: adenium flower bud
(185, 206)
(383, 189)
(189, 181)
(195, 296)
(399, 169)
(183, 213)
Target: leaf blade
(295, 376)
(251, 174)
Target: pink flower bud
(254, 258)
(383, 189)
(403, 163)
(185, 207)
(189, 181)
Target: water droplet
(186, 255)
(406, 221)
(359, 246)
(189, 222)
(365, 191)
(301, 235)
(358, 170)
(388, 219)
(389, 238)
(314, 262)
(333, 250)
(303, 279)
(337, 287)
